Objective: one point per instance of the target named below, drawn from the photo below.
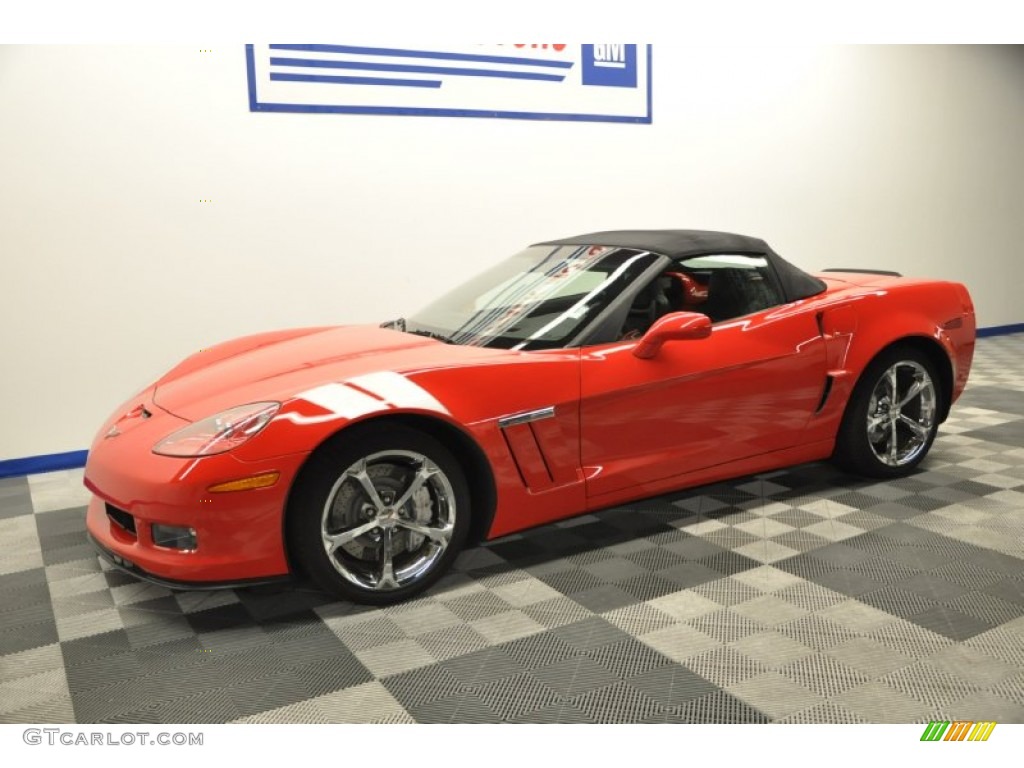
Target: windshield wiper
(430, 335)
(400, 325)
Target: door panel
(748, 389)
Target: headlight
(220, 433)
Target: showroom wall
(145, 212)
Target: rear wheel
(379, 514)
(893, 415)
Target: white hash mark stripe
(398, 391)
(392, 389)
(342, 400)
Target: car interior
(720, 292)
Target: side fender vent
(825, 392)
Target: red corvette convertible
(578, 374)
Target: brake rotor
(352, 507)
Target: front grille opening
(122, 519)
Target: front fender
(315, 414)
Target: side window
(725, 286)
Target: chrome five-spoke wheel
(388, 519)
(892, 415)
(378, 513)
(901, 413)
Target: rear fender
(940, 325)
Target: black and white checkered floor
(798, 596)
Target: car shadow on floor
(641, 550)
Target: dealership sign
(608, 82)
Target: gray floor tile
(949, 622)
(590, 633)
(870, 657)
(517, 695)
(772, 649)
(574, 676)
(628, 658)
(879, 703)
(482, 666)
(617, 703)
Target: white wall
(907, 158)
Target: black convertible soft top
(680, 243)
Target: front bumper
(240, 535)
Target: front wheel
(893, 415)
(379, 514)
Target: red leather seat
(689, 293)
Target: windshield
(541, 298)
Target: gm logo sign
(610, 64)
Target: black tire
(331, 506)
(864, 443)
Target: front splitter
(127, 566)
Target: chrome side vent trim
(512, 420)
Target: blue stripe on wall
(346, 80)
(371, 66)
(50, 462)
(75, 459)
(442, 55)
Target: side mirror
(677, 326)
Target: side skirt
(787, 457)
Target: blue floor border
(1000, 330)
(75, 459)
(50, 462)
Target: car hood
(280, 365)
